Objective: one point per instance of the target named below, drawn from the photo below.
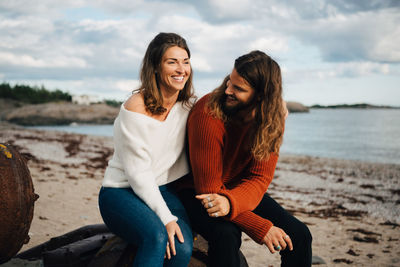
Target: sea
(369, 135)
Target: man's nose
(228, 90)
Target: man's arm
(253, 186)
(253, 225)
(206, 140)
(205, 152)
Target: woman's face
(174, 69)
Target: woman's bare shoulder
(135, 103)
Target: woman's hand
(172, 230)
(276, 239)
(215, 204)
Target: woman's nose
(180, 68)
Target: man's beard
(233, 111)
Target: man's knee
(228, 234)
(303, 234)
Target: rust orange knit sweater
(222, 163)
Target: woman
(137, 201)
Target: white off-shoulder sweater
(147, 154)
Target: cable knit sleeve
(253, 185)
(205, 152)
(131, 139)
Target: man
(234, 135)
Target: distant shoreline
(354, 106)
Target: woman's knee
(155, 238)
(184, 250)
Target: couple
(151, 197)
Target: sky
(330, 51)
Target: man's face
(239, 95)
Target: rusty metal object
(17, 199)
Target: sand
(352, 208)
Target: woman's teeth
(179, 78)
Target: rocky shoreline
(65, 113)
(351, 208)
(61, 113)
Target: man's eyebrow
(239, 88)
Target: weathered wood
(95, 246)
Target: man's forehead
(239, 81)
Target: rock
(62, 113)
(316, 260)
(296, 107)
(7, 105)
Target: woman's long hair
(264, 75)
(151, 65)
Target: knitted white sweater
(148, 153)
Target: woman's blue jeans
(127, 216)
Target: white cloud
(347, 70)
(127, 85)
(271, 43)
(29, 61)
(100, 49)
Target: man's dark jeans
(224, 237)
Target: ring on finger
(215, 214)
(286, 237)
(208, 199)
(210, 204)
(278, 247)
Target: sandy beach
(352, 208)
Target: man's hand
(276, 239)
(172, 230)
(215, 204)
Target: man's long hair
(151, 66)
(264, 75)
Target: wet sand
(352, 208)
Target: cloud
(29, 61)
(102, 42)
(361, 36)
(341, 30)
(347, 70)
(270, 43)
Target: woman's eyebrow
(172, 58)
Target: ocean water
(371, 135)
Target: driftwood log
(95, 246)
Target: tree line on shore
(32, 95)
(39, 95)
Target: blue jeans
(127, 216)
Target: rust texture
(17, 199)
